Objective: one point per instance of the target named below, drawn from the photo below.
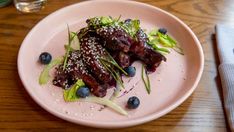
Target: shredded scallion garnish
(116, 65)
(162, 42)
(115, 93)
(72, 37)
(146, 81)
(68, 48)
(106, 102)
(114, 74)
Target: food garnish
(160, 41)
(70, 94)
(44, 76)
(145, 78)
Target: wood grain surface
(201, 112)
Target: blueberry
(133, 102)
(131, 71)
(162, 30)
(45, 58)
(128, 21)
(83, 92)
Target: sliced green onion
(178, 50)
(159, 42)
(113, 72)
(147, 81)
(161, 49)
(44, 76)
(70, 94)
(116, 93)
(153, 32)
(116, 65)
(118, 77)
(117, 20)
(68, 49)
(75, 43)
(106, 102)
(165, 42)
(72, 41)
(171, 39)
(106, 20)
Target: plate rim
(106, 124)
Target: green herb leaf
(44, 76)
(98, 22)
(69, 95)
(106, 21)
(146, 81)
(153, 32)
(106, 102)
(132, 27)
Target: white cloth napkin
(225, 46)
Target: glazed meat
(145, 53)
(123, 59)
(127, 49)
(91, 52)
(76, 69)
(116, 39)
(97, 41)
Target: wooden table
(202, 112)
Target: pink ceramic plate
(172, 83)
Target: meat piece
(91, 52)
(123, 59)
(116, 39)
(145, 53)
(119, 41)
(76, 69)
